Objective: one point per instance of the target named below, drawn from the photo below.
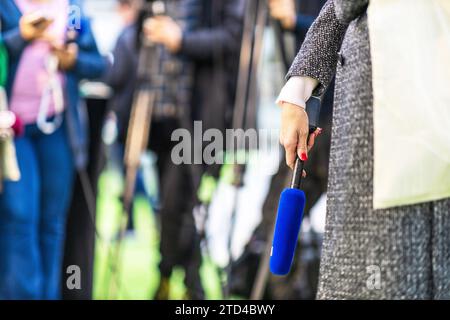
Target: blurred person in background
(48, 58)
(210, 42)
(128, 11)
(170, 85)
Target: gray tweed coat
(398, 253)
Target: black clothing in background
(80, 230)
(214, 49)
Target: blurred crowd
(184, 57)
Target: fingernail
(303, 156)
(319, 131)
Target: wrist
(297, 91)
(297, 104)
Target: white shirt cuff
(297, 91)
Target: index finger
(290, 146)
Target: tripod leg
(263, 273)
(252, 99)
(130, 183)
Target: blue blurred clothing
(33, 215)
(90, 64)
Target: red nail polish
(303, 156)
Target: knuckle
(303, 145)
(290, 143)
(303, 132)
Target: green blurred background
(139, 274)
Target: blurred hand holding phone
(66, 54)
(34, 25)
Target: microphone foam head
(287, 228)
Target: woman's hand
(294, 133)
(33, 26)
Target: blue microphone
(291, 207)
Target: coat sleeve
(318, 55)
(205, 43)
